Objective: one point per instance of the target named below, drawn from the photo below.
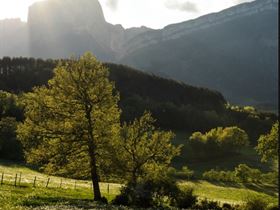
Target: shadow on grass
(271, 190)
(267, 189)
(38, 201)
(15, 164)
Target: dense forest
(175, 105)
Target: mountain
(234, 51)
(61, 28)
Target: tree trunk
(92, 156)
(94, 175)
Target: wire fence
(21, 180)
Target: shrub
(272, 207)
(270, 177)
(218, 142)
(206, 205)
(244, 173)
(148, 193)
(227, 206)
(122, 198)
(255, 203)
(224, 176)
(185, 198)
(184, 173)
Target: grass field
(79, 196)
(247, 155)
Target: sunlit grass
(67, 197)
(232, 193)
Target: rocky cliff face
(59, 28)
(13, 38)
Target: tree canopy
(268, 145)
(218, 141)
(70, 123)
(144, 149)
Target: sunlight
(15, 8)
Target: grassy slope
(247, 155)
(27, 196)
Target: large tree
(71, 122)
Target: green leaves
(268, 144)
(143, 149)
(219, 141)
(75, 109)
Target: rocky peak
(67, 11)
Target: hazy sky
(129, 13)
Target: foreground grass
(67, 197)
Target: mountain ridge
(177, 30)
(234, 51)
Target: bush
(224, 176)
(255, 203)
(220, 141)
(185, 198)
(272, 207)
(104, 200)
(206, 205)
(245, 174)
(148, 193)
(139, 195)
(270, 177)
(184, 173)
(227, 206)
(122, 199)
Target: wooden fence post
(2, 178)
(19, 179)
(108, 189)
(16, 180)
(34, 182)
(48, 182)
(60, 183)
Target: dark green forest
(175, 105)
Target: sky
(134, 13)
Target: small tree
(71, 123)
(219, 141)
(268, 144)
(143, 149)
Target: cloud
(112, 4)
(182, 6)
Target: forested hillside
(175, 105)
